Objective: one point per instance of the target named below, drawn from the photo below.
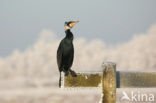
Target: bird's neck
(69, 34)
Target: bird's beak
(73, 23)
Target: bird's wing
(72, 56)
(59, 55)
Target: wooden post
(109, 83)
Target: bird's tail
(60, 81)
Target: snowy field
(16, 91)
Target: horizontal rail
(136, 79)
(124, 79)
(82, 80)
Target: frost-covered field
(55, 95)
(48, 96)
(16, 91)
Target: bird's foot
(73, 73)
(66, 73)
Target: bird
(65, 51)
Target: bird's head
(70, 24)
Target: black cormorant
(65, 52)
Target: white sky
(112, 21)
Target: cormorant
(65, 52)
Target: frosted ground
(32, 76)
